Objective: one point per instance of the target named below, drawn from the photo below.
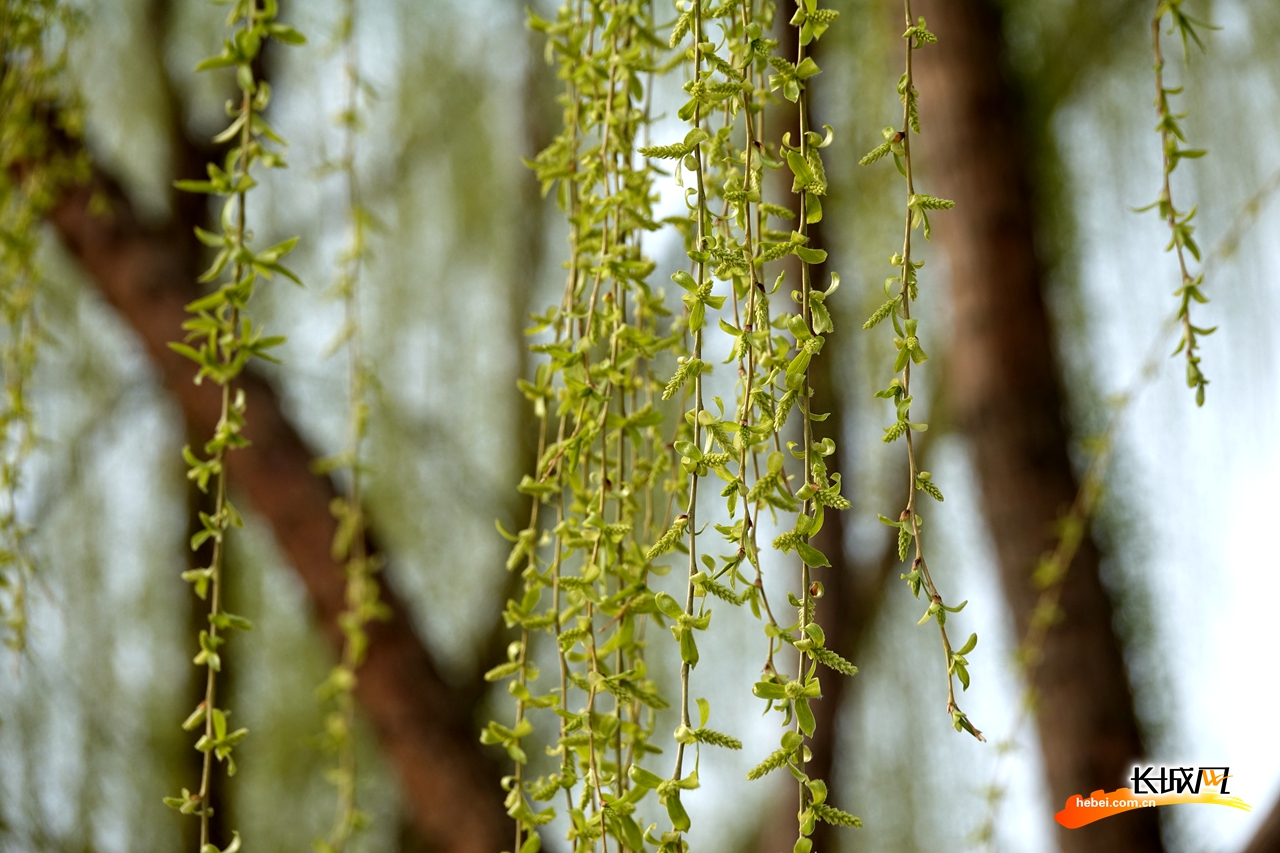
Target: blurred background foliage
(90, 742)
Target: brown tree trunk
(1267, 838)
(1005, 392)
(148, 276)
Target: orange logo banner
(1081, 811)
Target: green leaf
(811, 256)
(812, 556)
(804, 716)
(223, 61)
(813, 208)
(675, 810)
(807, 68)
(285, 34)
(189, 352)
(815, 632)
(688, 647)
(668, 606)
(800, 167)
(769, 690)
(206, 187)
(688, 449)
(642, 777)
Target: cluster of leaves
(221, 339)
(1172, 141)
(605, 460)
(603, 463)
(36, 113)
(349, 542)
(901, 290)
(820, 488)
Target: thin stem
(909, 514)
(1179, 226)
(700, 243)
(361, 594)
(220, 515)
(807, 506)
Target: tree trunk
(1267, 838)
(448, 783)
(1005, 392)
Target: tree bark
(1006, 395)
(1267, 838)
(448, 782)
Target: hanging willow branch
(1180, 228)
(33, 170)
(903, 289)
(603, 465)
(349, 541)
(604, 459)
(821, 488)
(225, 339)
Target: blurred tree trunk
(1006, 396)
(1267, 838)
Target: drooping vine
(601, 457)
(1180, 228)
(349, 542)
(902, 290)
(36, 108)
(606, 462)
(820, 489)
(221, 339)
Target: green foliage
(34, 168)
(349, 542)
(902, 290)
(602, 466)
(1172, 141)
(225, 340)
(606, 465)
